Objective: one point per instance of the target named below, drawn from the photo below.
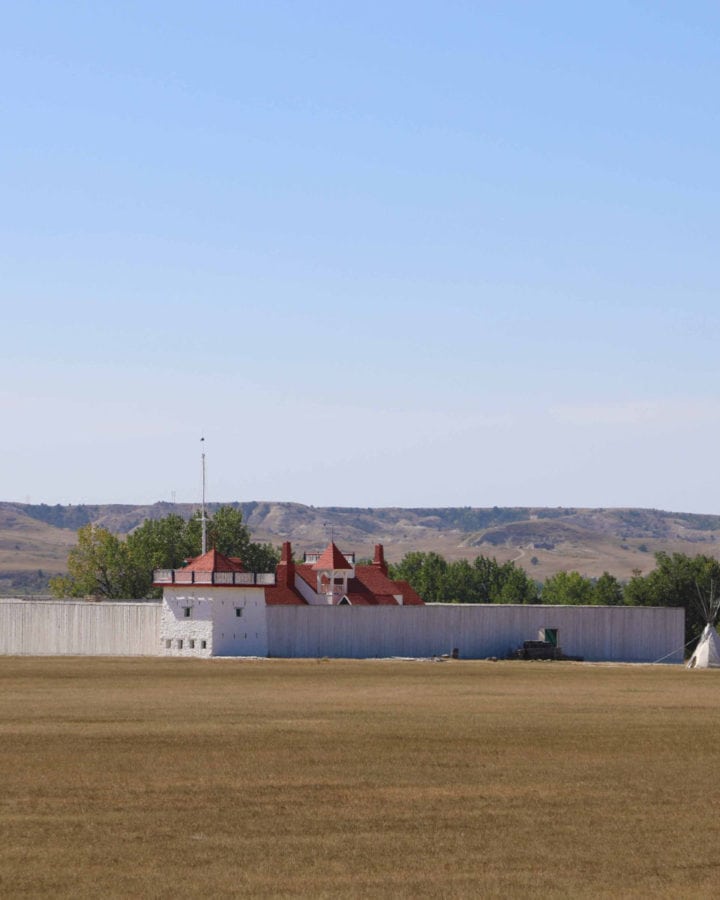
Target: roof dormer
(333, 569)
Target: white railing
(244, 577)
(313, 556)
(265, 578)
(227, 579)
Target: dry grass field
(167, 778)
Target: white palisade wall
(79, 628)
(611, 633)
(205, 620)
(214, 627)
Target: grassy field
(169, 778)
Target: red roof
(214, 561)
(377, 588)
(361, 598)
(331, 558)
(280, 595)
(410, 595)
(369, 587)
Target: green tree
(461, 585)
(158, 544)
(515, 586)
(409, 568)
(98, 566)
(260, 557)
(425, 572)
(161, 542)
(101, 564)
(567, 588)
(676, 581)
(432, 581)
(482, 581)
(228, 533)
(488, 579)
(607, 591)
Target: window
(168, 644)
(180, 644)
(192, 644)
(203, 645)
(238, 611)
(186, 612)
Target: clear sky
(378, 253)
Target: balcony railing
(231, 579)
(312, 556)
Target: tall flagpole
(203, 518)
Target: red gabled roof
(331, 558)
(214, 561)
(378, 589)
(369, 585)
(280, 595)
(410, 595)
(359, 598)
(305, 571)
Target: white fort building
(325, 606)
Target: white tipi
(707, 652)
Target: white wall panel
(48, 628)
(622, 634)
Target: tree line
(677, 580)
(104, 565)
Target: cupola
(333, 571)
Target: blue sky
(417, 254)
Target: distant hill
(35, 538)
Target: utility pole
(203, 518)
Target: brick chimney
(285, 572)
(379, 559)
